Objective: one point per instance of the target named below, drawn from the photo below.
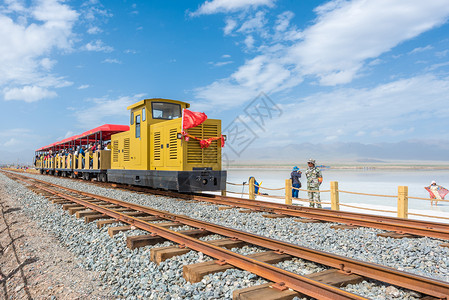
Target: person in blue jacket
(81, 155)
(256, 185)
(296, 183)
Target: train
(156, 150)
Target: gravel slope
(139, 277)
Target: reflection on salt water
(371, 181)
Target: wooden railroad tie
(97, 216)
(102, 223)
(67, 206)
(264, 291)
(84, 213)
(344, 226)
(134, 242)
(308, 221)
(161, 254)
(61, 201)
(114, 230)
(247, 211)
(275, 216)
(195, 272)
(73, 210)
(445, 245)
(225, 207)
(397, 235)
(272, 291)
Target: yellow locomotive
(155, 152)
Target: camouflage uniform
(312, 175)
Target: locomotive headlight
(179, 136)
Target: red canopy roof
(105, 131)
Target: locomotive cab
(155, 151)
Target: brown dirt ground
(33, 264)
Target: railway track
(398, 226)
(94, 207)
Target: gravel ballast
(131, 274)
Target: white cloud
(97, 46)
(255, 23)
(421, 49)
(249, 42)
(84, 86)
(220, 6)
(221, 63)
(263, 73)
(222, 94)
(100, 110)
(47, 63)
(14, 137)
(68, 134)
(226, 56)
(283, 21)
(94, 30)
(387, 111)
(231, 24)
(28, 93)
(28, 35)
(11, 142)
(441, 54)
(111, 61)
(436, 66)
(346, 38)
(376, 26)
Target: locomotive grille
(126, 149)
(173, 148)
(157, 146)
(115, 151)
(196, 155)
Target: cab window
(144, 115)
(132, 118)
(138, 126)
(166, 111)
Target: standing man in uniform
(314, 180)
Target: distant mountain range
(350, 152)
(325, 153)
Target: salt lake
(371, 181)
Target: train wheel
(102, 177)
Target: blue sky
(338, 71)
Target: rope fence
(366, 208)
(402, 197)
(365, 194)
(431, 199)
(311, 191)
(436, 217)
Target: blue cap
(295, 168)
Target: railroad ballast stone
(421, 256)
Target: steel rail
(288, 279)
(421, 228)
(428, 286)
(399, 225)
